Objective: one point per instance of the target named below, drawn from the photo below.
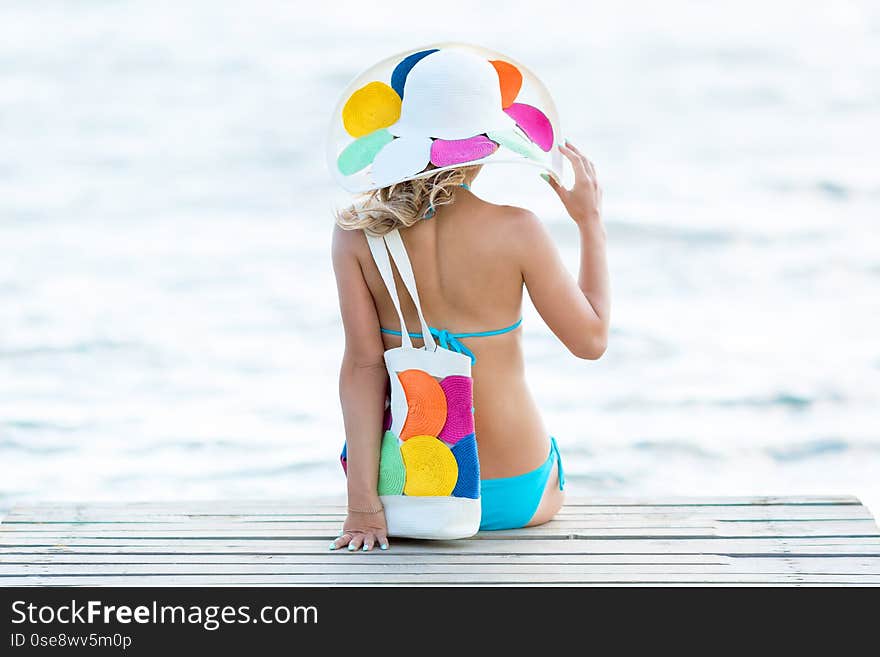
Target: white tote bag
(429, 474)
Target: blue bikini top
(450, 341)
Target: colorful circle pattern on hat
(398, 76)
(372, 107)
(437, 110)
(445, 152)
(510, 80)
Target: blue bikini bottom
(510, 502)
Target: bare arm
(578, 312)
(363, 383)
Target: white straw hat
(437, 108)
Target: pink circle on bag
(459, 393)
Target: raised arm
(577, 312)
(363, 383)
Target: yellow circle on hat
(375, 105)
(431, 468)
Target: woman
(471, 260)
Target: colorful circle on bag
(392, 473)
(426, 404)
(465, 453)
(459, 393)
(431, 468)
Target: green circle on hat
(360, 153)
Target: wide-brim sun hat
(440, 107)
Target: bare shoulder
(348, 243)
(515, 227)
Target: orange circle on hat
(510, 79)
(426, 402)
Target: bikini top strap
(401, 260)
(383, 264)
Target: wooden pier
(728, 541)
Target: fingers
(589, 167)
(364, 542)
(574, 148)
(578, 162)
(559, 189)
(343, 540)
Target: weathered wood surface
(738, 541)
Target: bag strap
(401, 259)
(383, 264)
(395, 245)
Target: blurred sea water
(168, 320)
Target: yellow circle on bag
(431, 468)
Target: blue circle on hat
(398, 76)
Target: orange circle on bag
(431, 468)
(426, 402)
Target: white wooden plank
(713, 500)
(566, 515)
(322, 526)
(666, 515)
(562, 521)
(129, 514)
(390, 556)
(264, 506)
(421, 579)
(328, 532)
(378, 561)
(606, 528)
(368, 564)
(753, 546)
(731, 512)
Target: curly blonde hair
(403, 204)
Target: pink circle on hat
(534, 123)
(446, 152)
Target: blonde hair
(403, 204)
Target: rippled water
(168, 326)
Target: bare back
(470, 279)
